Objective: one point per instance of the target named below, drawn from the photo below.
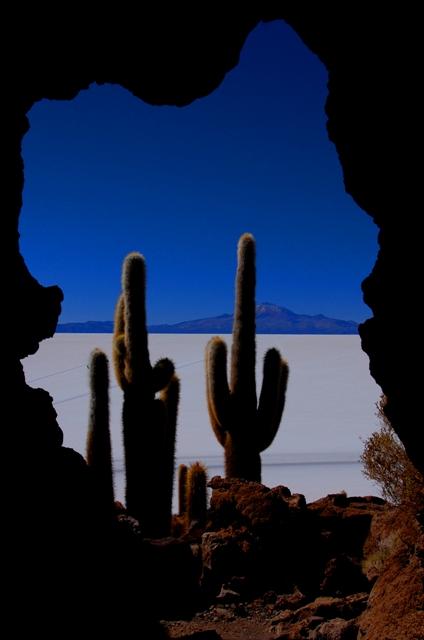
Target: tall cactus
(241, 426)
(98, 446)
(149, 423)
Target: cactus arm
(118, 347)
(217, 391)
(170, 397)
(243, 350)
(138, 365)
(282, 397)
(272, 398)
(162, 373)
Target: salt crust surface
(330, 404)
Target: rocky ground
(271, 566)
(262, 620)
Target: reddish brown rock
(396, 556)
(239, 503)
(343, 576)
(328, 608)
(311, 620)
(336, 629)
(345, 522)
(376, 535)
(279, 542)
(227, 555)
(258, 533)
(291, 601)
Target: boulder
(395, 555)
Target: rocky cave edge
(172, 55)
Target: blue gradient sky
(106, 174)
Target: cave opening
(113, 174)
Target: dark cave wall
(175, 56)
(373, 112)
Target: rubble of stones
(314, 571)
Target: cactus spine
(241, 427)
(98, 447)
(149, 423)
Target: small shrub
(387, 464)
(374, 562)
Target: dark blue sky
(106, 174)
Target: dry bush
(373, 563)
(387, 464)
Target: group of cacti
(242, 426)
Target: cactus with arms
(149, 423)
(243, 427)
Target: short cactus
(192, 497)
(241, 427)
(196, 496)
(182, 490)
(149, 423)
(98, 448)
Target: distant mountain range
(269, 319)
